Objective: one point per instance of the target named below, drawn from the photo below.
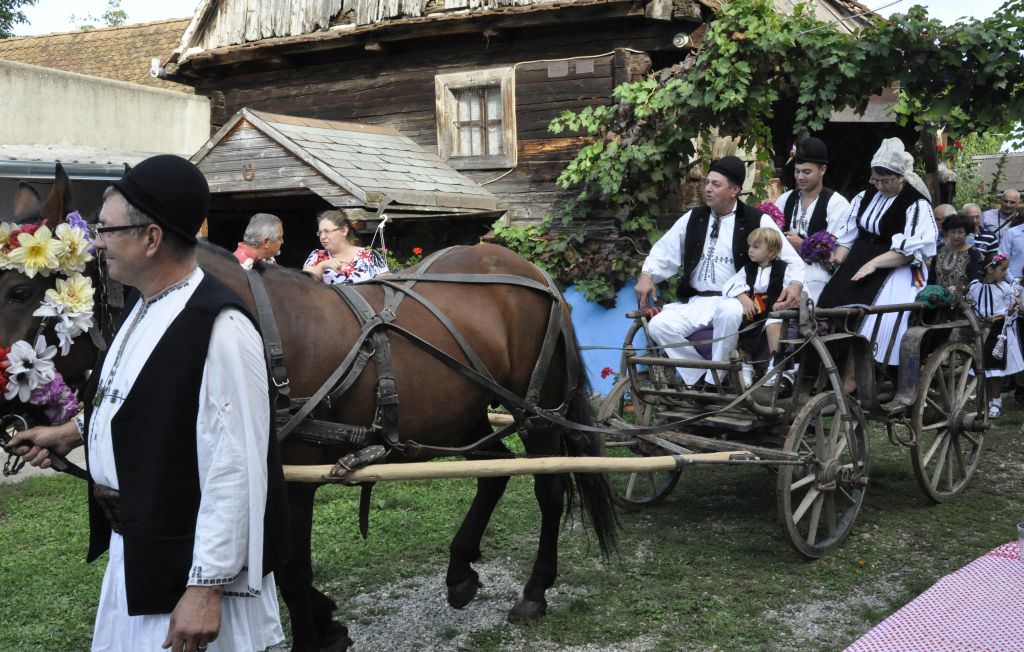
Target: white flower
(70, 326)
(29, 368)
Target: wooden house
(475, 81)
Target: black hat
(732, 167)
(811, 150)
(170, 190)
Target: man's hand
(195, 620)
(748, 305)
(794, 240)
(32, 444)
(789, 297)
(646, 293)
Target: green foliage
(970, 187)
(597, 267)
(11, 15)
(112, 17)
(763, 78)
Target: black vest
(775, 280)
(819, 217)
(154, 435)
(894, 219)
(747, 219)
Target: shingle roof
(374, 163)
(121, 53)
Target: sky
(55, 15)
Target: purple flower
(57, 400)
(818, 247)
(75, 219)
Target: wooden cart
(810, 430)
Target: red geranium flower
(417, 251)
(607, 371)
(940, 147)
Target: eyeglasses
(98, 231)
(322, 233)
(884, 183)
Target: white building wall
(43, 106)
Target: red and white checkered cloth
(979, 608)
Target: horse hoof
(527, 610)
(461, 594)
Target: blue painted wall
(597, 326)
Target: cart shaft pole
(503, 467)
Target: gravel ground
(412, 615)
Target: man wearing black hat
(183, 465)
(812, 207)
(706, 246)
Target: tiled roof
(121, 53)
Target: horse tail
(592, 488)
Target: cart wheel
(945, 454)
(818, 501)
(633, 490)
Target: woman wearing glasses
(895, 236)
(341, 260)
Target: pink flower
(772, 211)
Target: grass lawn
(708, 570)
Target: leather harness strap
(273, 346)
(373, 342)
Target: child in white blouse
(758, 284)
(995, 297)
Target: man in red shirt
(262, 240)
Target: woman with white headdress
(895, 236)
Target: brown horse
(504, 324)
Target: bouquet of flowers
(773, 211)
(28, 371)
(818, 247)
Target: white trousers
(677, 321)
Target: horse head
(47, 293)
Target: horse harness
(293, 416)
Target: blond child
(757, 286)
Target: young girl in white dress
(994, 296)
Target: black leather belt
(110, 502)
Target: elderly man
(262, 240)
(999, 219)
(185, 487)
(706, 246)
(985, 241)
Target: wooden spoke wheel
(641, 489)
(819, 500)
(945, 453)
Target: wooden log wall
(395, 86)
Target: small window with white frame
(476, 118)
